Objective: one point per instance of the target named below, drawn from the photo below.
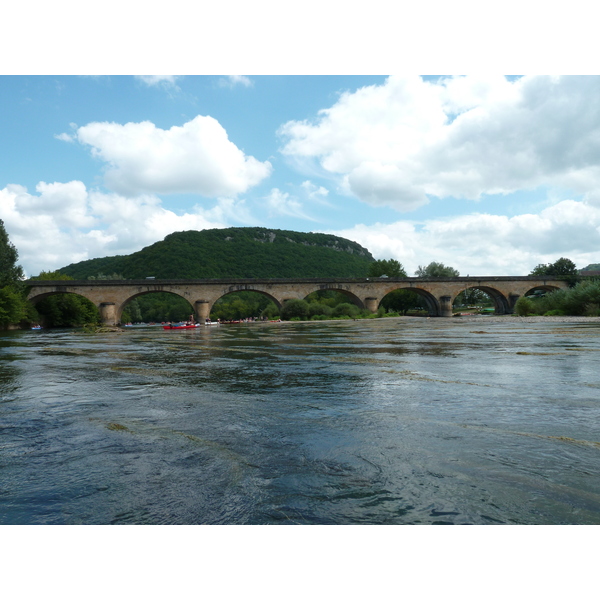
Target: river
(487, 420)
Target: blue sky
(489, 174)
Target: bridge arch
(34, 299)
(273, 299)
(222, 310)
(66, 313)
(352, 297)
(542, 288)
(432, 304)
(502, 304)
(119, 309)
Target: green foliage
(401, 301)
(346, 309)
(525, 307)
(390, 268)
(67, 310)
(241, 305)
(236, 252)
(157, 307)
(329, 298)
(10, 272)
(13, 307)
(64, 310)
(591, 267)
(563, 268)
(294, 308)
(316, 309)
(53, 276)
(436, 269)
(580, 300)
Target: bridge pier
(372, 304)
(202, 310)
(446, 306)
(512, 300)
(108, 313)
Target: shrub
(346, 309)
(318, 309)
(294, 308)
(525, 307)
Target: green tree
(391, 268)
(563, 268)
(65, 310)
(436, 269)
(10, 272)
(345, 309)
(13, 307)
(401, 301)
(294, 308)
(13, 304)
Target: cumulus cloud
(483, 244)
(64, 222)
(197, 157)
(409, 139)
(282, 203)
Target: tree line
(70, 310)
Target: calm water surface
(387, 421)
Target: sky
(489, 174)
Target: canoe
(181, 326)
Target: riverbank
(461, 319)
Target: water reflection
(386, 421)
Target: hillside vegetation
(240, 252)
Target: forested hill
(244, 252)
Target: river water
(387, 421)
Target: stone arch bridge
(112, 296)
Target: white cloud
(315, 193)
(234, 80)
(281, 203)
(153, 80)
(65, 223)
(197, 157)
(483, 244)
(65, 137)
(407, 139)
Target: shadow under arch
(428, 301)
(252, 304)
(177, 299)
(261, 292)
(54, 311)
(541, 288)
(352, 298)
(502, 304)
